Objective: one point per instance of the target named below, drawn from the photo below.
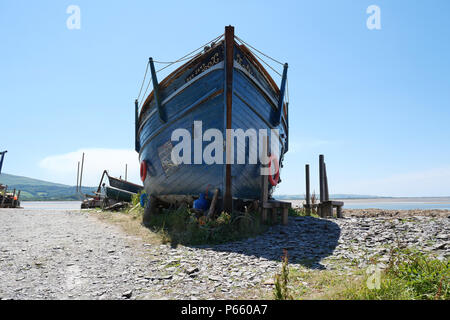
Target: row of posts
(325, 204)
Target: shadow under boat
(307, 241)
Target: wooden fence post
(321, 181)
(321, 185)
(308, 195)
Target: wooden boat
(124, 185)
(224, 87)
(118, 194)
(119, 184)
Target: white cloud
(62, 168)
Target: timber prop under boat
(223, 87)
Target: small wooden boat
(224, 87)
(118, 189)
(118, 194)
(119, 184)
(124, 185)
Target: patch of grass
(187, 227)
(301, 212)
(409, 275)
(281, 290)
(136, 198)
(305, 284)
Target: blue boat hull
(192, 95)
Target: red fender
(274, 180)
(143, 170)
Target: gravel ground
(73, 255)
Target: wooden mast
(156, 91)
(229, 59)
(279, 113)
(2, 155)
(136, 125)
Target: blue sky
(375, 102)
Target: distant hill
(39, 190)
(9, 179)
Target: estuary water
(51, 205)
(378, 203)
(392, 203)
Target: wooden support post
(308, 195)
(285, 216)
(264, 182)
(126, 169)
(329, 209)
(339, 211)
(149, 211)
(273, 215)
(325, 183)
(212, 207)
(275, 207)
(264, 214)
(321, 181)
